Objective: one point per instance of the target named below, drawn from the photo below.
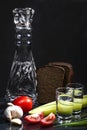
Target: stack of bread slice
(50, 77)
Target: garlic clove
(16, 121)
(10, 104)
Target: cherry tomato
(24, 102)
(34, 118)
(48, 120)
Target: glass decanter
(22, 80)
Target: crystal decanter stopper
(22, 80)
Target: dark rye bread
(69, 73)
(48, 79)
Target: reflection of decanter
(22, 79)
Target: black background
(59, 34)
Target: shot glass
(78, 98)
(64, 104)
(84, 102)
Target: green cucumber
(46, 109)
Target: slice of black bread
(48, 79)
(69, 72)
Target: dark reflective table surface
(7, 126)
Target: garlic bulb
(13, 111)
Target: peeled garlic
(16, 121)
(13, 111)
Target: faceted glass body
(22, 80)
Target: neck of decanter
(23, 18)
(23, 37)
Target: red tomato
(34, 118)
(41, 114)
(48, 120)
(24, 102)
